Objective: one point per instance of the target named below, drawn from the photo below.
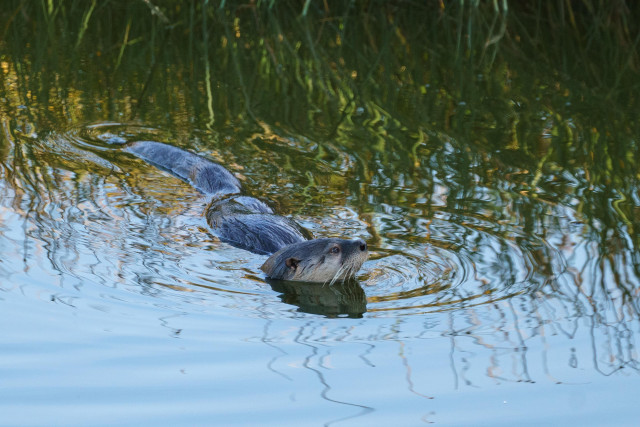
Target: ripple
(453, 261)
(421, 264)
(107, 134)
(139, 232)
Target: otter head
(317, 260)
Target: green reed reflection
(486, 150)
(516, 107)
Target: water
(503, 280)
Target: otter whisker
(349, 270)
(337, 275)
(346, 271)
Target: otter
(316, 260)
(249, 223)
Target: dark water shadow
(342, 299)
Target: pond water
(501, 206)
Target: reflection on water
(91, 228)
(500, 204)
(346, 298)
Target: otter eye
(334, 250)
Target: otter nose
(362, 244)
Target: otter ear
(292, 263)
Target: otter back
(242, 221)
(248, 223)
(206, 176)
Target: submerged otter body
(249, 223)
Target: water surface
(500, 202)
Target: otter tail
(206, 176)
